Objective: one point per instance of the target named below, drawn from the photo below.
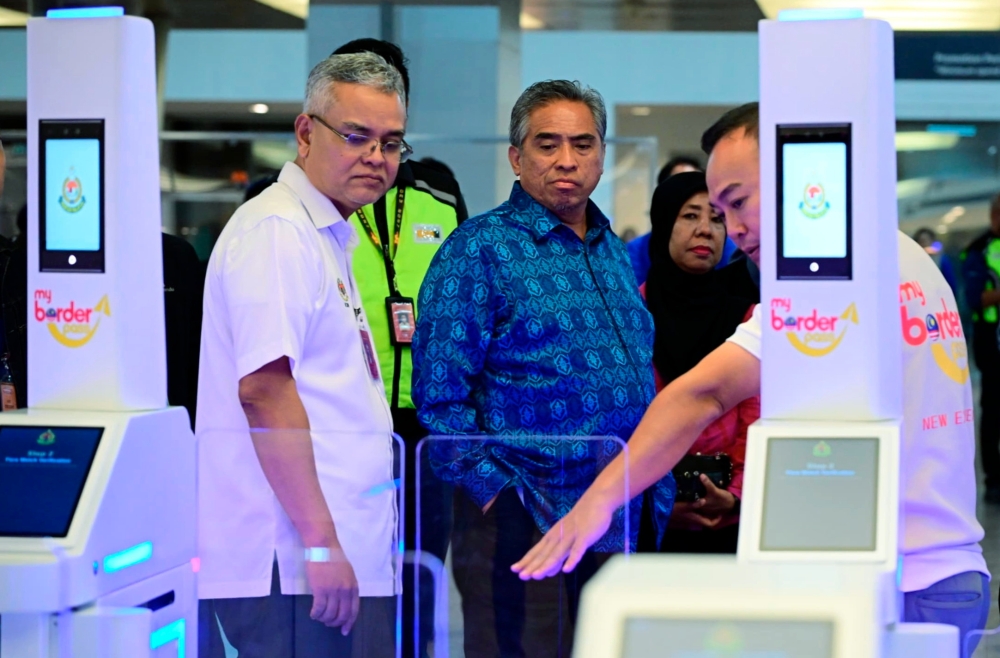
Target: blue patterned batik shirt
(526, 331)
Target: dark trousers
(988, 361)
(503, 615)
(713, 542)
(435, 525)
(278, 626)
(962, 600)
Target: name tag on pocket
(427, 234)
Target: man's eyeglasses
(391, 150)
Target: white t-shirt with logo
(279, 284)
(941, 532)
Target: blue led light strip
(86, 12)
(953, 129)
(169, 633)
(129, 557)
(820, 14)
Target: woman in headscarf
(695, 308)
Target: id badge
(402, 319)
(366, 343)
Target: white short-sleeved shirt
(941, 532)
(279, 285)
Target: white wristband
(323, 554)
(317, 554)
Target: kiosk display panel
(814, 202)
(42, 473)
(820, 495)
(705, 638)
(71, 190)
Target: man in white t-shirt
(296, 508)
(944, 574)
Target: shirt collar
(321, 210)
(541, 221)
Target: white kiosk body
(822, 478)
(713, 606)
(97, 477)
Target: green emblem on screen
(814, 204)
(47, 438)
(72, 199)
(822, 449)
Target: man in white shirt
(297, 516)
(945, 578)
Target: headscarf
(693, 313)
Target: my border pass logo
(938, 326)
(71, 325)
(812, 334)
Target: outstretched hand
(564, 545)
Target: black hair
(259, 185)
(745, 116)
(22, 221)
(387, 50)
(437, 165)
(673, 163)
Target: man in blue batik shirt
(530, 326)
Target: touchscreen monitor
(814, 202)
(706, 638)
(820, 495)
(42, 473)
(71, 186)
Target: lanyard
(400, 201)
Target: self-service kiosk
(97, 476)
(816, 571)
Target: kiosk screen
(703, 638)
(820, 495)
(71, 207)
(814, 202)
(42, 473)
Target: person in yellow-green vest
(400, 233)
(981, 270)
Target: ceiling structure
(183, 14)
(645, 15)
(639, 15)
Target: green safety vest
(425, 224)
(992, 255)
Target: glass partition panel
(299, 540)
(482, 503)
(982, 644)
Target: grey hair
(549, 91)
(366, 69)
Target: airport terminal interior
(437, 328)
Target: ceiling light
(924, 141)
(641, 111)
(977, 15)
(11, 18)
(530, 22)
(297, 8)
(819, 14)
(953, 214)
(259, 108)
